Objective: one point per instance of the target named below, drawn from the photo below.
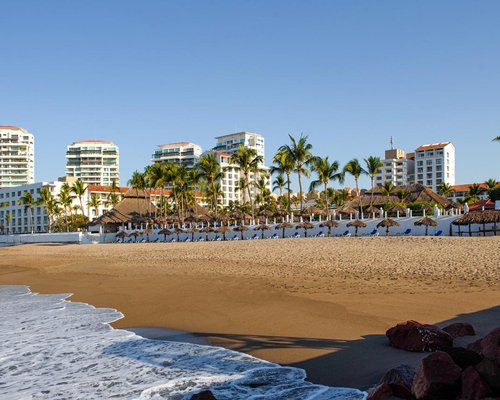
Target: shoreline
(318, 304)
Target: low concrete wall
(406, 223)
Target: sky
(348, 74)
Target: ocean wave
(57, 349)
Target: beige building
(398, 168)
(185, 153)
(17, 157)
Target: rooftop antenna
(392, 143)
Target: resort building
(96, 162)
(397, 169)
(459, 192)
(231, 143)
(17, 157)
(435, 163)
(185, 153)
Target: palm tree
(388, 189)
(248, 161)
(94, 204)
(112, 200)
(445, 189)
(300, 153)
(137, 182)
(284, 166)
(326, 171)
(491, 183)
(28, 201)
(79, 188)
(8, 218)
(66, 201)
(373, 165)
(353, 168)
(279, 183)
(473, 194)
(496, 139)
(48, 203)
(210, 171)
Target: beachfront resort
(229, 193)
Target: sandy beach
(322, 304)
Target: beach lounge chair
(172, 240)
(407, 232)
(275, 236)
(374, 233)
(346, 234)
(255, 236)
(439, 233)
(187, 239)
(295, 235)
(201, 239)
(218, 238)
(235, 237)
(156, 240)
(321, 234)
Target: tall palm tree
(8, 219)
(210, 171)
(473, 193)
(28, 201)
(94, 204)
(66, 202)
(79, 188)
(354, 168)
(300, 152)
(248, 161)
(112, 200)
(49, 203)
(326, 172)
(284, 166)
(137, 182)
(279, 183)
(373, 165)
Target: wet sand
(321, 304)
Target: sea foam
(52, 348)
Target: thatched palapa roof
(478, 217)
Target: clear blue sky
(347, 73)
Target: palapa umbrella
(192, 231)
(241, 229)
(266, 213)
(479, 217)
(357, 224)
(262, 228)
(206, 230)
(427, 222)
(283, 226)
(387, 223)
(305, 226)
(348, 210)
(397, 209)
(148, 231)
(178, 231)
(372, 210)
(329, 223)
(164, 232)
(223, 229)
(135, 234)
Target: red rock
(460, 329)
(490, 372)
(473, 386)
(489, 346)
(400, 380)
(380, 392)
(436, 378)
(414, 336)
(205, 395)
(463, 357)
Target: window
(428, 162)
(420, 176)
(439, 175)
(421, 169)
(420, 163)
(429, 169)
(439, 161)
(429, 176)
(429, 182)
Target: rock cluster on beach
(454, 373)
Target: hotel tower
(17, 157)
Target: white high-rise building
(231, 143)
(96, 162)
(397, 169)
(185, 153)
(17, 157)
(435, 163)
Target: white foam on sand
(52, 348)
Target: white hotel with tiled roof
(17, 157)
(96, 162)
(435, 163)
